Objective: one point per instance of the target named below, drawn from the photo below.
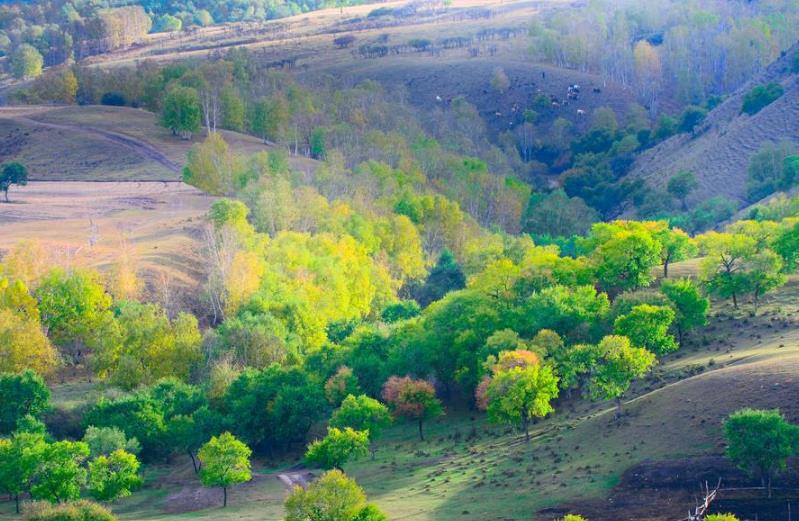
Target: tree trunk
(16, 502)
(421, 434)
(6, 191)
(680, 333)
(193, 461)
(618, 408)
(768, 484)
(526, 423)
(666, 269)
(224, 501)
(735, 301)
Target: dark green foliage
(445, 276)
(775, 167)
(786, 245)
(21, 394)
(402, 310)
(557, 214)
(681, 185)
(294, 402)
(114, 99)
(760, 442)
(12, 173)
(760, 97)
(691, 117)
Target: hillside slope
(718, 152)
(99, 143)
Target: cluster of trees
(690, 50)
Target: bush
(795, 63)
(114, 99)
(691, 117)
(76, 511)
(760, 97)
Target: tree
(114, 476)
(23, 345)
(648, 326)
(616, 363)
(12, 173)
(415, 399)
(60, 474)
(691, 117)
(26, 62)
(722, 269)
(269, 118)
(721, 517)
(500, 81)
(681, 185)
(338, 447)
(445, 276)
(340, 385)
(516, 395)
(625, 261)
(103, 441)
(334, 497)
(212, 167)
(225, 462)
(181, 112)
(760, 442)
(74, 307)
(761, 96)
(676, 245)
(20, 456)
(786, 245)
(362, 413)
(21, 394)
(690, 307)
(82, 510)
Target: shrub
(760, 97)
(691, 117)
(76, 511)
(114, 99)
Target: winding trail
(136, 145)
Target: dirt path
(300, 478)
(140, 147)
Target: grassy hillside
(718, 152)
(98, 143)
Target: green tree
(722, 269)
(518, 394)
(21, 394)
(362, 413)
(761, 96)
(103, 441)
(616, 363)
(691, 117)
(445, 276)
(61, 473)
(786, 245)
(681, 185)
(342, 384)
(338, 447)
(721, 517)
(334, 497)
(676, 245)
(625, 261)
(12, 173)
(648, 326)
(20, 456)
(26, 62)
(24, 345)
(690, 307)
(760, 442)
(181, 111)
(415, 399)
(212, 167)
(114, 476)
(225, 462)
(269, 118)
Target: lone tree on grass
(338, 447)
(362, 413)
(760, 442)
(616, 363)
(415, 399)
(225, 462)
(12, 173)
(333, 497)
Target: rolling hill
(718, 152)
